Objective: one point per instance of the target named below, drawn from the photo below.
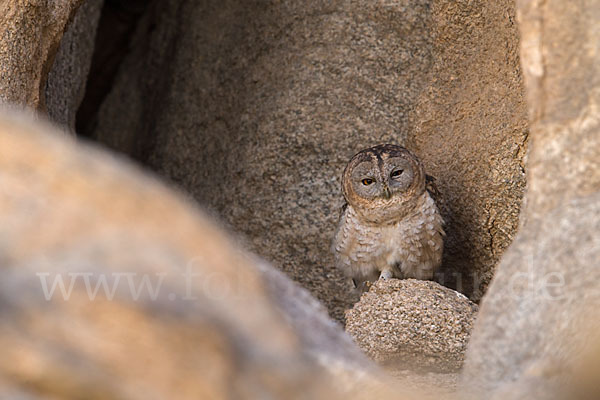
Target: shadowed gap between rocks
(118, 21)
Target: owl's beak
(387, 193)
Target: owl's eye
(367, 181)
(396, 173)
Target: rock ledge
(412, 324)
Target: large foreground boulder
(539, 319)
(114, 287)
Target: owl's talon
(386, 275)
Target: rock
(255, 108)
(470, 130)
(321, 337)
(68, 76)
(539, 317)
(30, 34)
(184, 314)
(412, 324)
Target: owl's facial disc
(383, 183)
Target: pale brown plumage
(391, 227)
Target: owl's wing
(342, 210)
(432, 188)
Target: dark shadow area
(117, 24)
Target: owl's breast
(416, 242)
(411, 247)
(358, 248)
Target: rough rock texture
(412, 324)
(255, 108)
(30, 33)
(233, 328)
(541, 310)
(470, 130)
(68, 76)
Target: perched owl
(390, 227)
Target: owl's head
(383, 182)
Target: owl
(390, 226)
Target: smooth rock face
(184, 314)
(412, 324)
(68, 76)
(255, 107)
(30, 33)
(540, 315)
